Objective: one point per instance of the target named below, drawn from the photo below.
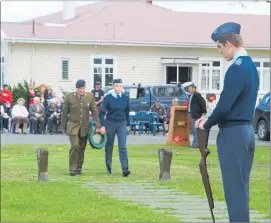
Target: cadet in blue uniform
(116, 108)
(234, 115)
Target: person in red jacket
(6, 97)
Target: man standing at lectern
(234, 115)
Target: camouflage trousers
(77, 151)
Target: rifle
(203, 136)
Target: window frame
(261, 70)
(210, 74)
(103, 66)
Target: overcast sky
(16, 11)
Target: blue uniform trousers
(118, 128)
(236, 145)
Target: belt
(233, 123)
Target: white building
(135, 41)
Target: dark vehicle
(261, 121)
(142, 97)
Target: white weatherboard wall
(42, 62)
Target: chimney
(69, 10)
(149, 2)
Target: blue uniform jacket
(238, 99)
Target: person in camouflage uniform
(75, 122)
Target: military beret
(226, 28)
(80, 83)
(117, 81)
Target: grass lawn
(64, 199)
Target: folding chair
(154, 122)
(134, 121)
(144, 120)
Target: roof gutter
(125, 43)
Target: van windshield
(168, 92)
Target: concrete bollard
(42, 158)
(165, 157)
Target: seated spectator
(53, 113)
(4, 116)
(6, 97)
(58, 99)
(160, 110)
(36, 116)
(19, 116)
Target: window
(205, 79)
(103, 70)
(266, 79)
(109, 76)
(141, 92)
(263, 68)
(65, 69)
(266, 99)
(168, 92)
(215, 79)
(210, 76)
(97, 73)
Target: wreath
(101, 143)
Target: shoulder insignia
(238, 62)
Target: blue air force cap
(117, 81)
(226, 28)
(80, 83)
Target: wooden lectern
(179, 125)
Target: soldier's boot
(126, 173)
(73, 173)
(109, 171)
(73, 160)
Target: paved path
(8, 138)
(187, 208)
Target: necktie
(118, 96)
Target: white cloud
(16, 11)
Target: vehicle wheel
(262, 131)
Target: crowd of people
(39, 112)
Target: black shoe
(73, 173)
(195, 147)
(125, 173)
(109, 172)
(78, 172)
